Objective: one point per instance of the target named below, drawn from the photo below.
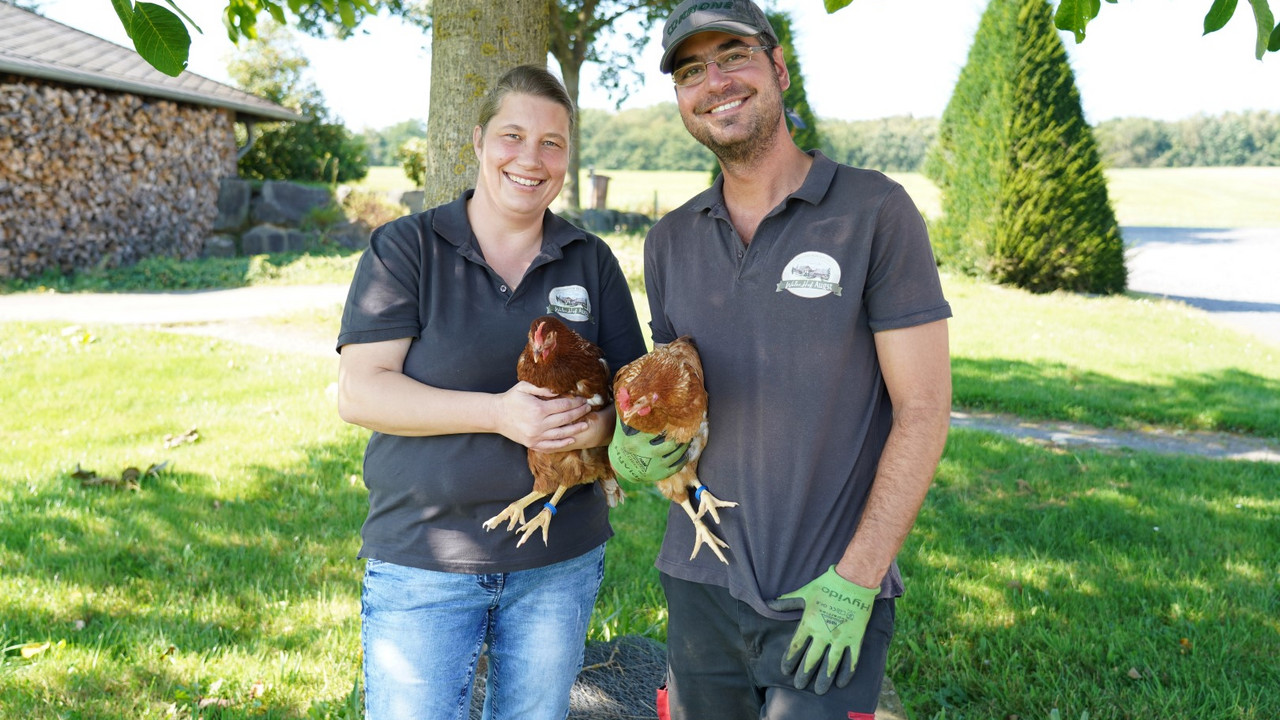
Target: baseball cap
(736, 17)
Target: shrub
(1023, 193)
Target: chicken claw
(702, 536)
(707, 503)
(612, 492)
(542, 519)
(513, 512)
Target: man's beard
(761, 135)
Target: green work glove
(835, 618)
(642, 457)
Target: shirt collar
(812, 190)
(450, 222)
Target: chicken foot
(702, 536)
(542, 519)
(514, 512)
(707, 503)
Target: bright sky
(875, 58)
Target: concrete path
(1234, 275)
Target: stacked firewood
(91, 177)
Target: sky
(873, 59)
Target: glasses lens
(727, 61)
(689, 74)
(730, 60)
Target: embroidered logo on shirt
(570, 302)
(811, 275)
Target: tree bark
(472, 45)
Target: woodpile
(97, 178)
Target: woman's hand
(535, 418)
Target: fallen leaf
(186, 438)
(217, 702)
(1185, 646)
(1133, 673)
(32, 649)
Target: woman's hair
(526, 80)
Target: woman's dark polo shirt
(423, 277)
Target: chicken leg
(702, 536)
(707, 503)
(514, 513)
(542, 519)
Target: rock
(286, 203)
(267, 238)
(412, 199)
(233, 204)
(222, 246)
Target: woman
(437, 314)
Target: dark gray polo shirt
(798, 411)
(423, 277)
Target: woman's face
(523, 154)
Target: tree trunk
(472, 45)
(571, 192)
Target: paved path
(1231, 274)
(1234, 275)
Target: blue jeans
(423, 632)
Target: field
(217, 579)
(1174, 197)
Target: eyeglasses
(732, 59)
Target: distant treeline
(653, 138)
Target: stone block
(286, 203)
(412, 199)
(221, 246)
(269, 238)
(233, 204)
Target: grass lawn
(1123, 585)
(1040, 580)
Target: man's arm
(916, 365)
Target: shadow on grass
(1124, 586)
(1226, 401)
(177, 566)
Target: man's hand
(642, 457)
(835, 618)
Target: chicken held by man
(662, 430)
(560, 360)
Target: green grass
(1122, 362)
(1037, 577)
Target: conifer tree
(1024, 196)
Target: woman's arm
(374, 392)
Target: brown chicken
(662, 394)
(561, 360)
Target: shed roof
(35, 46)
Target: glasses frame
(750, 50)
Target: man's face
(739, 114)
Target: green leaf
(1266, 24)
(1074, 15)
(347, 12)
(1274, 44)
(160, 38)
(124, 9)
(834, 5)
(1219, 14)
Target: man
(812, 294)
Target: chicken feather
(558, 359)
(663, 394)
